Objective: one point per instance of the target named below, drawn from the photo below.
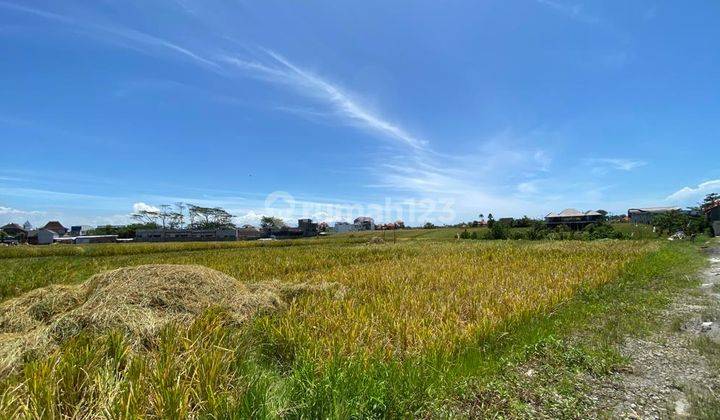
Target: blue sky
(434, 110)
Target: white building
(42, 237)
(81, 230)
(361, 223)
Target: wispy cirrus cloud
(574, 11)
(36, 12)
(279, 69)
(137, 40)
(275, 68)
(603, 165)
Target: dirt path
(675, 372)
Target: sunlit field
(415, 318)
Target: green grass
(209, 369)
(636, 231)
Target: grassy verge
(528, 364)
(544, 361)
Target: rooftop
(574, 213)
(653, 209)
(12, 226)
(54, 224)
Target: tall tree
(490, 220)
(147, 216)
(269, 223)
(209, 217)
(710, 199)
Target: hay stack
(38, 307)
(141, 300)
(138, 300)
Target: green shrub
(497, 231)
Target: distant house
(185, 235)
(573, 219)
(645, 215)
(56, 227)
(364, 223)
(286, 232)
(42, 236)
(306, 228)
(81, 230)
(345, 227)
(96, 239)
(28, 226)
(15, 231)
(506, 221)
(712, 212)
(247, 233)
(360, 223)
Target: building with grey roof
(573, 219)
(645, 215)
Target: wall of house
(344, 228)
(104, 239)
(46, 237)
(714, 214)
(641, 218)
(160, 235)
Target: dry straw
(139, 301)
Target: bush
(601, 231)
(561, 233)
(517, 234)
(538, 230)
(497, 231)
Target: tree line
(185, 216)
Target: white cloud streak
(602, 165)
(694, 194)
(140, 40)
(278, 70)
(285, 72)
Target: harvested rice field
(317, 328)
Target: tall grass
(418, 318)
(99, 250)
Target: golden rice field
(443, 295)
(387, 345)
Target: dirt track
(668, 372)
